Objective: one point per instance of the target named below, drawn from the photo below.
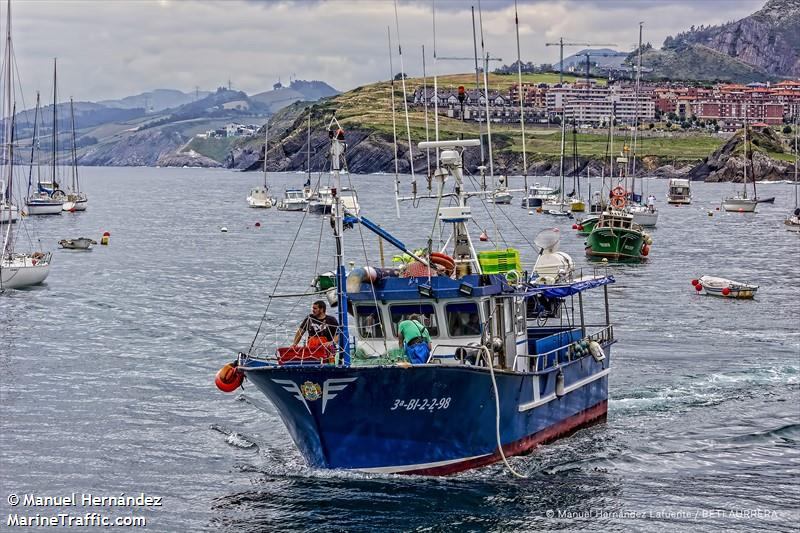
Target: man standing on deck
(321, 328)
(414, 339)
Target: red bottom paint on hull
(589, 417)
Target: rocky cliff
(143, 148)
(769, 39)
(728, 162)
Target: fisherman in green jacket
(414, 339)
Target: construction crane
(589, 54)
(561, 44)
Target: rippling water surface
(107, 371)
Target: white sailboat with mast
(644, 215)
(741, 203)
(792, 222)
(259, 196)
(76, 199)
(47, 198)
(17, 269)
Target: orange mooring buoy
(229, 378)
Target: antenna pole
(394, 127)
(425, 99)
(477, 81)
(435, 84)
(405, 103)
(521, 108)
(486, 92)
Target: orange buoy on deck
(229, 378)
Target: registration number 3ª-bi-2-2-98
(421, 404)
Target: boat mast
(485, 56)
(337, 152)
(33, 146)
(521, 110)
(744, 183)
(636, 115)
(55, 124)
(561, 158)
(308, 149)
(7, 130)
(796, 124)
(266, 149)
(75, 186)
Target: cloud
(114, 49)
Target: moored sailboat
(259, 196)
(18, 269)
(741, 203)
(792, 222)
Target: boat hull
(615, 244)
(427, 419)
(44, 208)
(586, 225)
(8, 212)
(22, 272)
(501, 198)
(675, 200)
(739, 205)
(645, 218)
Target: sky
(109, 49)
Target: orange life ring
(618, 202)
(618, 191)
(444, 261)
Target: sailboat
(577, 205)
(297, 199)
(45, 199)
(76, 199)
(643, 215)
(17, 268)
(792, 222)
(259, 196)
(559, 206)
(741, 203)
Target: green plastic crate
(500, 261)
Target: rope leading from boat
(488, 356)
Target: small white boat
(646, 216)
(680, 192)
(792, 223)
(725, 288)
(8, 212)
(81, 243)
(537, 195)
(293, 200)
(259, 198)
(501, 196)
(350, 201)
(321, 202)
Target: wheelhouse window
(426, 311)
(463, 320)
(368, 321)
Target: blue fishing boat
(516, 360)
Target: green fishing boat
(585, 226)
(617, 238)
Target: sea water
(106, 371)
